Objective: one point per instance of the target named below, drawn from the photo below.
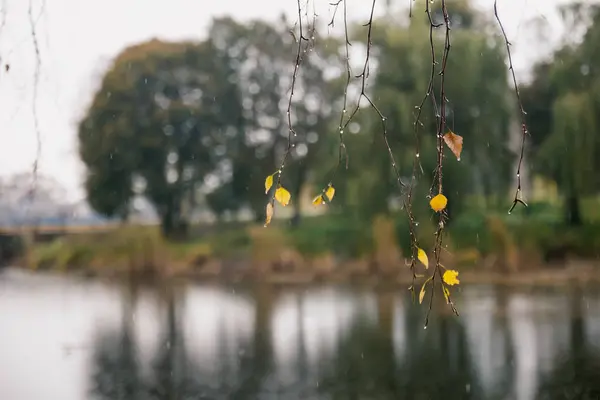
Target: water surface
(72, 339)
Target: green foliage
(168, 117)
(475, 71)
(155, 119)
(122, 248)
(470, 229)
(564, 99)
(229, 242)
(262, 60)
(342, 235)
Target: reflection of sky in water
(49, 324)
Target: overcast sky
(78, 38)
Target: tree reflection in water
(435, 364)
(116, 369)
(577, 371)
(365, 362)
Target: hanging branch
(280, 194)
(429, 92)
(298, 60)
(417, 160)
(36, 79)
(336, 5)
(3, 6)
(518, 195)
(342, 152)
(440, 158)
(363, 94)
(407, 203)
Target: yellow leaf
(282, 196)
(446, 294)
(330, 192)
(422, 256)
(438, 203)
(422, 292)
(268, 183)
(317, 201)
(450, 277)
(455, 143)
(269, 213)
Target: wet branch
(36, 78)
(518, 195)
(291, 132)
(440, 159)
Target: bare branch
(417, 160)
(440, 159)
(291, 131)
(518, 198)
(36, 78)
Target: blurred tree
(262, 56)
(28, 201)
(156, 119)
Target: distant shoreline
(581, 272)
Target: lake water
(73, 339)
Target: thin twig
(440, 159)
(417, 161)
(3, 17)
(36, 78)
(2, 25)
(342, 153)
(517, 199)
(336, 5)
(363, 94)
(291, 131)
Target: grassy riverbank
(334, 247)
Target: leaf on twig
(283, 196)
(450, 277)
(454, 142)
(438, 203)
(268, 183)
(422, 292)
(269, 213)
(446, 294)
(317, 201)
(422, 256)
(330, 192)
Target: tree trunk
(167, 223)
(297, 191)
(573, 210)
(171, 222)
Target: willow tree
(570, 153)
(564, 98)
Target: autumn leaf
(422, 256)
(282, 196)
(454, 142)
(450, 277)
(317, 201)
(269, 213)
(422, 293)
(330, 192)
(446, 294)
(438, 203)
(268, 183)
